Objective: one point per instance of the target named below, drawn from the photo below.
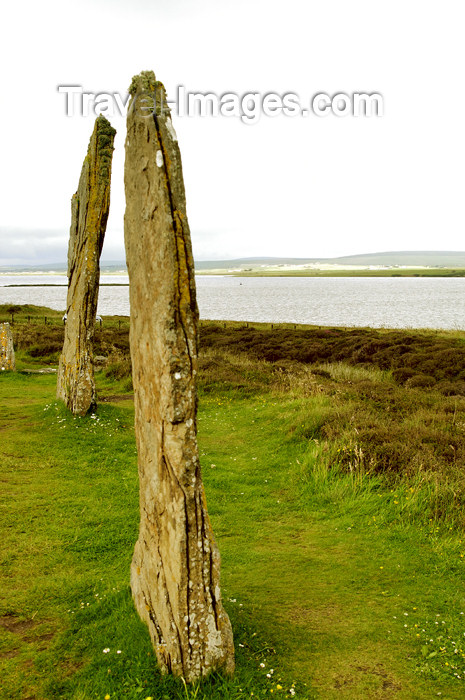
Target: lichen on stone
(175, 568)
(148, 94)
(89, 215)
(7, 353)
(144, 82)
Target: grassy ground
(335, 493)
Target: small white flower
(118, 651)
(106, 650)
(262, 665)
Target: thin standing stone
(89, 213)
(176, 565)
(7, 353)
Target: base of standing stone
(7, 353)
(76, 385)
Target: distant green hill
(409, 258)
(62, 267)
(405, 258)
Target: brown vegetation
(431, 358)
(395, 400)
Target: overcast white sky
(285, 186)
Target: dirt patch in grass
(9, 654)
(27, 630)
(116, 398)
(316, 618)
(375, 677)
(13, 623)
(46, 637)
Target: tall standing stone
(7, 353)
(176, 564)
(89, 214)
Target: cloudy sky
(282, 186)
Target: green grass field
(336, 496)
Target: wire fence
(123, 323)
(15, 320)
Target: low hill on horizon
(413, 258)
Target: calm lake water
(389, 302)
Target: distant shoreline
(394, 272)
(381, 263)
(102, 284)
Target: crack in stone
(89, 214)
(175, 564)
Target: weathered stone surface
(7, 353)
(176, 565)
(89, 214)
